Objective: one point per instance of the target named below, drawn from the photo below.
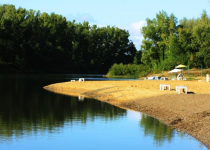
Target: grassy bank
(140, 71)
(191, 74)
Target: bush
(129, 70)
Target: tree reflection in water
(26, 108)
(155, 128)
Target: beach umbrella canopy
(175, 70)
(181, 66)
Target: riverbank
(189, 113)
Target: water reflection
(81, 98)
(25, 117)
(153, 127)
(26, 108)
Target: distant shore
(189, 113)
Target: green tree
(160, 40)
(33, 40)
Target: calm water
(33, 118)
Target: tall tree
(158, 36)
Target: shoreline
(189, 113)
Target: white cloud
(80, 17)
(134, 29)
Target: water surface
(33, 118)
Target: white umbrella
(175, 70)
(181, 66)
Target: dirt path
(187, 112)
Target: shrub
(129, 70)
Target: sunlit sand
(187, 112)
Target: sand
(189, 113)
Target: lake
(33, 118)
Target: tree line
(35, 41)
(31, 40)
(168, 43)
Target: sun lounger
(162, 86)
(80, 98)
(178, 88)
(81, 79)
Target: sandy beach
(189, 113)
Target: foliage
(167, 44)
(39, 41)
(127, 70)
(30, 40)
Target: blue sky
(125, 14)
